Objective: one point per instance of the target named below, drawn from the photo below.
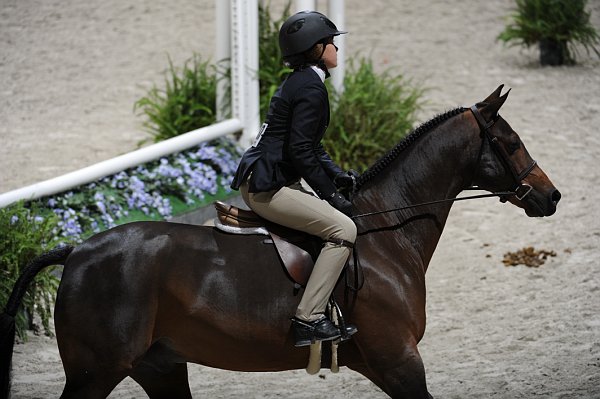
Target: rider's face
(330, 54)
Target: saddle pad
(240, 230)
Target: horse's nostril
(555, 196)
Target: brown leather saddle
(297, 250)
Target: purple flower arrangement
(146, 191)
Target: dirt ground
(70, 72)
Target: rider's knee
(345, 230)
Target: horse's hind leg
(94, 363)
(171, 382)
(161, 372)
(90, 384)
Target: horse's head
(505, 164)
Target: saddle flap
(298, 262)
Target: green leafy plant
(187, 102)
(23, 236)
(374, 112)
(188, 99)
(271, 69)
(555, 25)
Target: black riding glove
(345, 179)
(340, 203)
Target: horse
(144, 299)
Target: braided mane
(392, 154)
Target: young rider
(289, 148)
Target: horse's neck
(439, 165)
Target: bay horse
(145, 298)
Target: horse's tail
(57, 256)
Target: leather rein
(521, 190)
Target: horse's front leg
(405, 378)
(388, 352)
(397, 370)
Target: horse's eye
(513, 147)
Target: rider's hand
(345, 179)
(340, 203)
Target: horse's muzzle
(555, 196)
(539, 205)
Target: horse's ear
(489, 110)
(494, 95)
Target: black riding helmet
(301, 31)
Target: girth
(297, 250)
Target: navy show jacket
(288, 146)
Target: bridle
(520, 190)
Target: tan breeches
(299, 209)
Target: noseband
(520, 190)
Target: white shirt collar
(319, 72)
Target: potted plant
(555, 26)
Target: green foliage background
(564, 21)
(23, 237)
(271, 69)
(374, 112)
(187, 101)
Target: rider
(288, 148)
